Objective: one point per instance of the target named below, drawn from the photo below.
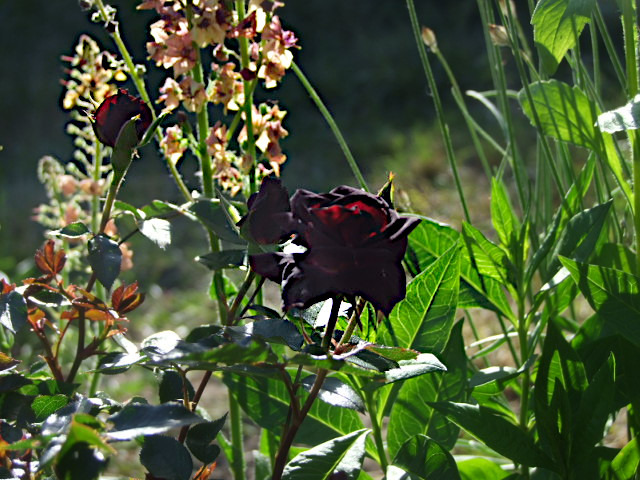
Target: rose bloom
(117, 110)
(354, 243)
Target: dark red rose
(355, 244)
(269, 219)
(115, 111)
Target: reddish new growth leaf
(205, 472)
(6, 287)
(125, 299)
(49, 261)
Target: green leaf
(159, 208)
(623, 118)
(148, 135)
(423, 320)
(166, 458)
(627, 462)
(80, 461)
(496, 432)
(212, 215)
(140, 419)
(267, 402)
(480, 469)
(276, 330)
(157, 230)
(579, 237)
(45, 405)
(13, 311)
(429, 240)
(172, 387)
(425, 458)
(223, 259)
(504, 221)
(490, 259)
(560, 381)
(343, 454)
(410, 412)
(617, 256)
(596, 405)
(200, 438)
(565, 112)
(613, 294)
(336, 393)
(73, 230)
(557, 24)
(105, 259)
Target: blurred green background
(360, 55)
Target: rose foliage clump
(354, 244)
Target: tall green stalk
(444, 127)
(332, 125)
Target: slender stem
(288, 437)
(244, 288)
(444, 127)
(375, 426)
(235, 419)
(523, 327)
(351, 326)
(82, 321)
(332, 125)
(248, 100)
(331, 323)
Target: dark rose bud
(355, 244)
(269, 219)
(115, 111)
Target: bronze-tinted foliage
(49, 261)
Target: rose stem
(140, 86)
(331, 323)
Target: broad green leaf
(157, 230)
(13, 311)
(492, 380)
(613, 294)
(490, 260)
(344, 454)
(410, 412)
(560, 381)
(45, 405)
(80, 461)
(73, 230)
(578, 239)
(431, 239)
(166, 458)
(275, 330)
(423, 320)
(504, 220)
(141, 419)
(212, 215)
(425, 458)
(172, 387)
(557, 24)
(626, 117)
(397, 473)
(336, 393)
(105, 258)
(566, 113)
(496, 432)
(200, 438)
(159, 208)
(596, 405)
(223, 259)
(480, 469)
(627, 462)
(267, 402)
(617, 256)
